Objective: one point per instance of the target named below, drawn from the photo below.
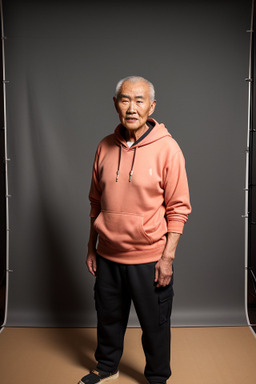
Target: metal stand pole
(246, 189)
(6, 160)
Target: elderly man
(139, 204)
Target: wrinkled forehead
(135, 89)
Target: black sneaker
(97, 376)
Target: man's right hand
(91, 262)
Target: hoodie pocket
(121, 231)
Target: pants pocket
(165, 299)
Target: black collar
(150, 125)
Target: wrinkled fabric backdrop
(63, 60)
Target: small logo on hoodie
(150, 171)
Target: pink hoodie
(137, 195)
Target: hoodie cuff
(175, 226)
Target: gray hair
(135, 79)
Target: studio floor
(221, 355)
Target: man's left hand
(163, 272)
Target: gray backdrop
(63, 61)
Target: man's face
(133, 105)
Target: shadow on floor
(79, 344)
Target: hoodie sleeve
(95, 190)
(177, 200)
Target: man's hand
(91, 262)
(163, 272)
(163, 268)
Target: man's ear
(115, 103)
(152, 108)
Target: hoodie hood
(158, 132)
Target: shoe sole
(113, 377)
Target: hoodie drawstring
(119, 163)
(133, 160)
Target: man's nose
(132, 107)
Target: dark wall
(63, 61)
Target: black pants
(116, 285)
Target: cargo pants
(116, 286)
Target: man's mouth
(131, 119)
